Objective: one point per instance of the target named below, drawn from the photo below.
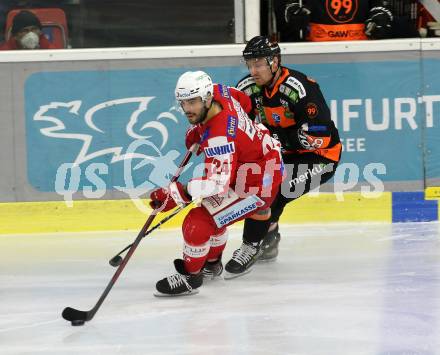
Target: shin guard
(218, 244)
(197, 228)
(254, 231)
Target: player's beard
(202, 116)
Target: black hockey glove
(378, 25)
(297, 17)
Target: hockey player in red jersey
(292, 107)
(243, 172)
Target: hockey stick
(117, 259)
(77, 317)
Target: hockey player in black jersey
(292, 107)
(348, 20)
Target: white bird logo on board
(59, 130)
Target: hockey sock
(254, 231)
(218, 244)
(194, 256)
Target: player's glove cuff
(178, 194)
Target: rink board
(44, 217)
(74, 120)
(102, 124)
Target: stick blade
(72, 315)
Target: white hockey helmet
(194, 84)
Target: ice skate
(212, 270)
(269, 246)
(242, 261)
(179, 284)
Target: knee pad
(198, 227)
(255, 230)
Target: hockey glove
(379, 24)
(192, 136)
(298, 18)
(167, 198)
(313, 137)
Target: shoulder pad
(246, 82)
(296, 85)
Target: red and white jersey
(239, 153)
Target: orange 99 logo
(342, 11)
(312, 110)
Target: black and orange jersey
(337, 20)
(296, 114)
(334, 20)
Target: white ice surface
(335, 289)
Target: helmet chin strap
(270, 62)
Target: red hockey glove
(192, 136)
(167, 198)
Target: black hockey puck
(78, 322)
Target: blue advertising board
(122, 129)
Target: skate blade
(187, 293)
(269, 260)
(212, 278)
(230, 276)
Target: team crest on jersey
(276, 117)
(232, 126)
(342, 11)
(220, 150)
(312, 110)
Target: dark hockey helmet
(260, 47)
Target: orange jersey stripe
(344, 32)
